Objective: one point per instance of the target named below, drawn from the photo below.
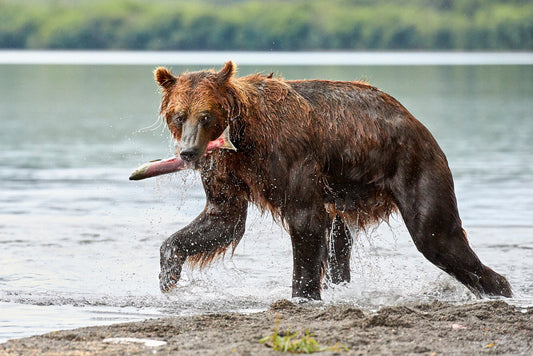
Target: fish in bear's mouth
(176, 163)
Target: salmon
(175, 163)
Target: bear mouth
(198, 163)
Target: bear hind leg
(429, 210)
(339, 251)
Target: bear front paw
(171, 263)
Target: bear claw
(168, 279)
(171, 263)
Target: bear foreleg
(220, 225)
(307, 227)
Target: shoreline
(264, 58)
(485, 327)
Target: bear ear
(227, 71)
(164, 77)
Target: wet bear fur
(320, 156)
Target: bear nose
(189, 154)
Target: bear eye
(205, 119)
(179, 118)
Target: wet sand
(489, 327)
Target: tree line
(267, 25)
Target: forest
(277, 25)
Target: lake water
(79, 243)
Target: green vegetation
(267, 25)
(304, 345)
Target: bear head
(197, 107)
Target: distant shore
(265, 58)
(267, 25)
(488, 327)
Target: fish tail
(228, 145)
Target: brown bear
(319, 156)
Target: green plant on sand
(304, 345)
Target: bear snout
(190, 154)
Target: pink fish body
(175, 163)
(158, 167)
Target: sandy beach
(487, 327)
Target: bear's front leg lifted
(171, 263)
(214, 230)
